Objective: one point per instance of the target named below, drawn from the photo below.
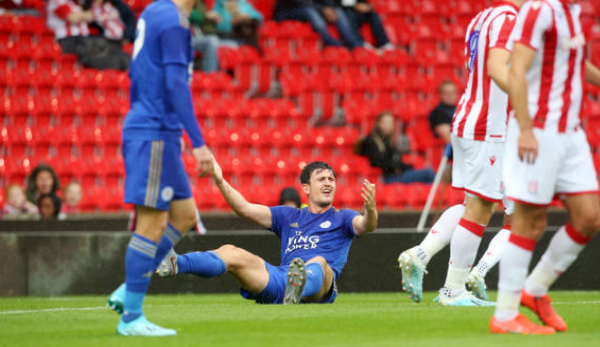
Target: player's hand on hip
(368, 195)
(204, 159)
(528, 146)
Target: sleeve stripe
(505, 31)
(530, 20)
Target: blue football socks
(204, 264)
(169, 239)
(314, 279)
(139, 259)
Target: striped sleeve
(500, 31)
(535, 19)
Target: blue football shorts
(275, 290)
(154, 173)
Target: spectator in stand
(43, 180)
(239, 21)
(76, 30)
(440, 119)
(114, 19)
(49, 207)
(205, 38)
(319, 13)
(382, 152)
(290, 197)
(20, 7)
(16, 202)
(73, 195)
(360, 12)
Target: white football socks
(491, 257)
(514, 265)
(440, 234)
(463, 250)
(563, 250)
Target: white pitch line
(58, 309)
(65, 309)
(588, 302)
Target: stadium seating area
(57, 112)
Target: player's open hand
(368, 195)
(528, 146)
(204, 159)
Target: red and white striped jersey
(58, 10)
(482, 110)
(556, 77)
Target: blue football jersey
(306, 235)
(163, 37)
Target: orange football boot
(542, 306)
(519, 325)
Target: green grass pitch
(378, 319)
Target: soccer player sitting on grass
(315, 242)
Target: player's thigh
(584, 212)
(532, 184)
(150, 222)
(328, 278)
(457, 164)
(248, 269)
(577, 174)
(182, 214)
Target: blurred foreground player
(547, 154)
(156, 181)
(478, 132)
(315, 242)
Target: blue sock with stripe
(314, 279)
(139, 260)
(169, 239)
(204, 264)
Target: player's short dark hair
(315, 165)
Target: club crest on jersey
(473, 44)
(325, 224)
(294, 225)
(492, 159)
(532, 187)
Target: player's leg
(528, 226)
(565, 246)
(463, 250)
(576, 180)
(247, 269)
(139, 266)
(414, 261)
(173, 194)
(309, 282)
(491, 257)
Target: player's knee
(588, 225)
(232, 255)
(319, 259)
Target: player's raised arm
(592, 73)
(259, 214)
(368, 221)
(175, 42)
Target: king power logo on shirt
(301, 242)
